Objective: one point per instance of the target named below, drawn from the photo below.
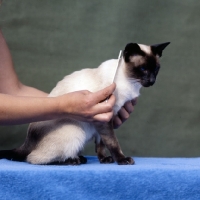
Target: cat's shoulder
(111, 62)
(108, 66)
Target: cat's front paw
(106, 160)
(126, 161)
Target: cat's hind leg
(71, 161)
(75, 161)
(61, 146)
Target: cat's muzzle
(147, 83)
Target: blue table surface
(149, 178)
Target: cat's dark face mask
(143, 66)
(148, 71)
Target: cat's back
(93, 79)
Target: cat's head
(143, 62)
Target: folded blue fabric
(149, 178)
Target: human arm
(9, 82)
(81, 105)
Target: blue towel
(149, 178)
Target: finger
(117, 122)
(128, 106)
(134, 101)
(104, 117)
(104, 93)
(105, 106)
(111, 101)
(123, 114)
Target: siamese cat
(61, 141)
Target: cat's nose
(152, 80)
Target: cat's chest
(125, 91)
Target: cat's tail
(14, 154)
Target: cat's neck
(126, 88)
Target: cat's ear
(130, 50)
(158, 48)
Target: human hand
(87, 106)
(124, 113)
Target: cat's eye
(142, 69)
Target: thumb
(101, 95)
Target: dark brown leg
(109, 139)
(101, 153)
